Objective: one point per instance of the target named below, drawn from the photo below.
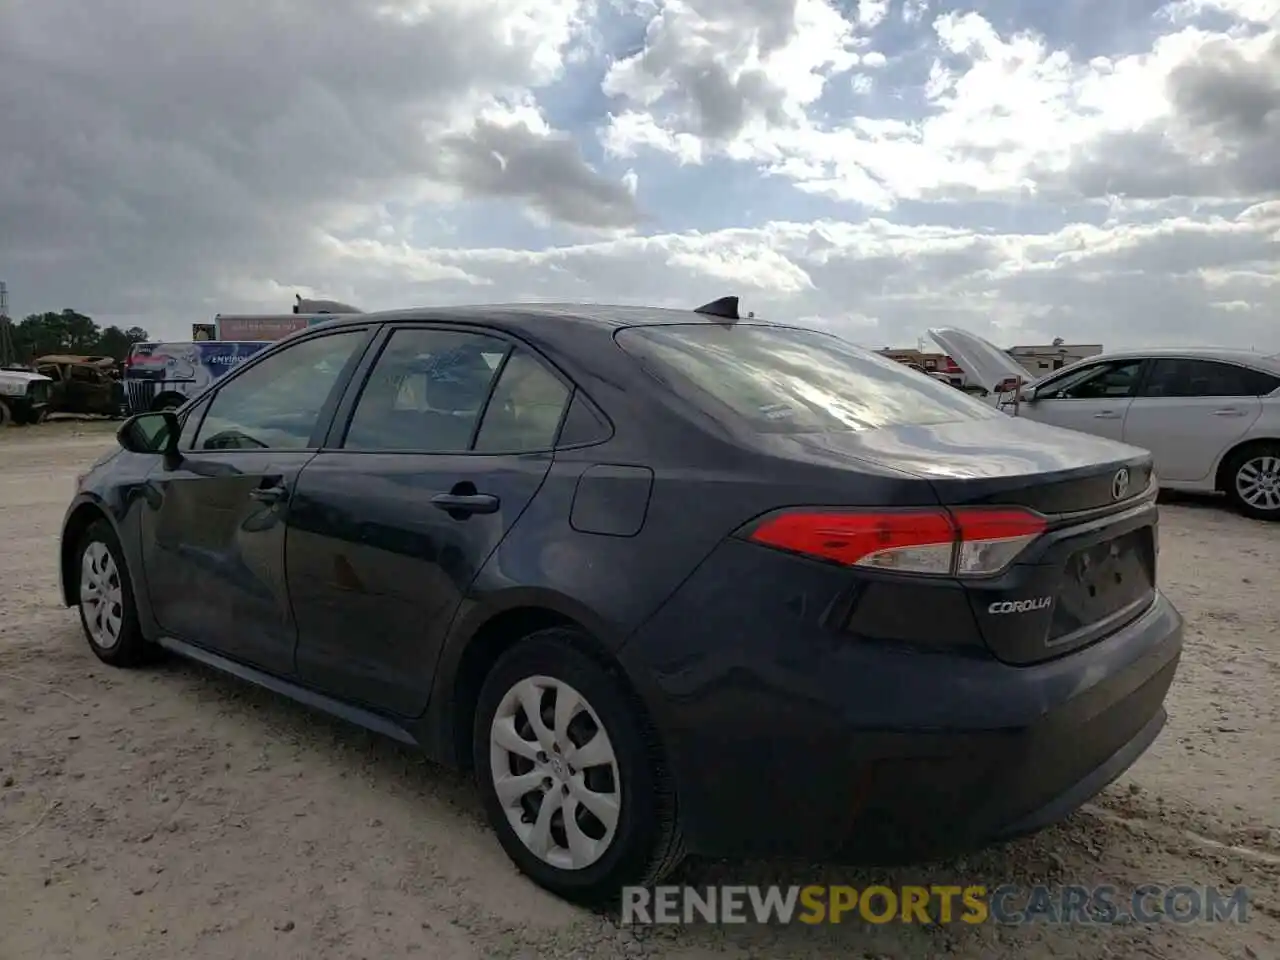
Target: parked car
(24, 396)
(83, 384)
(1210, 417)
(655, 576)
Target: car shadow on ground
(1091, 847)
(1208, 502)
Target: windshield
(788, 380)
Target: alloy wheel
(1258, 482)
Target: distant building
(928, 362)
(1042, 359)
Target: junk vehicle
(83, 384)
(24, 396)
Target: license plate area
(1103, 580)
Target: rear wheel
(570, 773)
(107, 611)
(1253, 481)
(6, 415)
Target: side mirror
(151, 433)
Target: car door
(213, 533)
(1093, 398)
(58, 399)
(1189, 411)
(434, 455)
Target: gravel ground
(174, 813)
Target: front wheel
(107, 611)
(570, 772)
(1253, 481)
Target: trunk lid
(1091, 572)
(994, 460)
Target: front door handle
(465, 504)
(1228, 412)
(1106, 415)
(272, 494)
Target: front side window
(1178, 377)
(191, 424)
(426, 391)
(276, 404)
(1102, 381)
(788, 380)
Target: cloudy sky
(1101, 170)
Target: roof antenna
(725, 308)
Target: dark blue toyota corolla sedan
(667, 581)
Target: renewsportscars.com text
(972, 904)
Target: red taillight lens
(966, 542)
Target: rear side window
(525, 410)
(1265, 383)
(426, 391)
(789, 380)
(1178, 377)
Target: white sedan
(1210, 417)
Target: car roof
(1255, 358)
(566, 329)
(604, 316)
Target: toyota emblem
(1120, 484)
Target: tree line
(71, 332)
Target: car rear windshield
(790, 380)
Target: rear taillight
(964, 542)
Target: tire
(6, 415)
(643, 845)
(111, 623)
(1253, 481)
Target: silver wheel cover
(555, 773)
(101, 596)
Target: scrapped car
(83, 384)
(655, 576)
(24, 396)
(1209, 416)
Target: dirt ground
(174, 813)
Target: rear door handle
(271, 494)
(1106, 415)
(1228, 412)
(466, 503)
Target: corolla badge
(1020, 606)
(1120, 484)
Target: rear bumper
(786, 741)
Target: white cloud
(222, 158)
(1015, 117)
(881, 282)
